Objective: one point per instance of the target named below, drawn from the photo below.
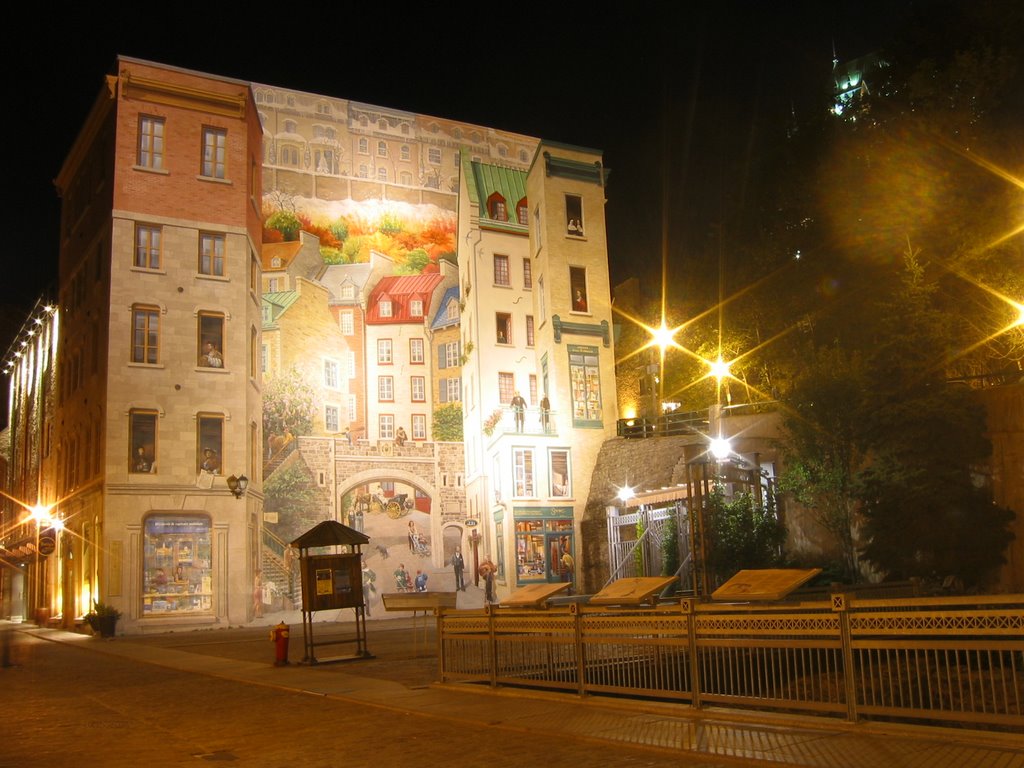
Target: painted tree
(288, 404)
(447, 423)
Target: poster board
(331, 581)
(632, 591)
(764, 584)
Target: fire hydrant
(279, 637)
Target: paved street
(214, 695)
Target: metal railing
(926, 660)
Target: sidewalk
(400, 680)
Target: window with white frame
(419, 426)
(351, 408)
(522, 472)
(350, 365)
(348, 292)
(452, 312)
(347, 323)
(331, 374)
(385, 388)
(418, 388)
(416, 308)
(386, 425)
(385, 308)
(559, 475)
(448, 355)
(416, 351)
(384, 352)
(506, 387)
(332, 418)
(454, 387)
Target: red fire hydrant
(279, 637)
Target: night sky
(655, 85)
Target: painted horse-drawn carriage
(395, 506)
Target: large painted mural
(354, 193)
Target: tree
(823, 454)
(924, 515)
(285, 222)
(447, 425)
(740, 533)
(288, 402)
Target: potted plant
(103, 619)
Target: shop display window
(176, 568)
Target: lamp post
(237, 485)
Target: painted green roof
(274, 305)
(510, 183)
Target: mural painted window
(405, 153)
(542, 543)
(416, 351)
(384, 352)
(574, 215)
(506, 387)
(418, 388)
(147, 246)
(364, 172)
(348, 292)
(538, 233)
(382, 149)
(211, 254)
(533, 388)
(416, 307)
(527, 274)
(290, 126)
(254, 273)
(559, 477)
(176, 565)
(523, 212)
(323, 160)
(496, 207)
(364, 146)
(350, 365)
(332, 378)
(386, 424)
(150, 152)
(529, 331)
(142, 441)
(419, 426)
(332, 418)
(210, 350)
(347, 323)
(386, 308)
(209, 442)
(585, 383)
(434, 155)
(351, 408)
(578, 289)
(254, 351)
(405, 178)
(503, 324)
(385, 388)
(215, 144)
(451, 390)
(288, 155)
(448, 355)
(522, 472)
(145, 334)
(501, 273)
(264, 358)
(452, 311)
(382, 174)
(542, 299)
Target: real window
(416, 351)
(347, 322)
(331, 374)
(215, 142)
(419, 426)
(501, 273)
(506, 387)
(503, 323)
(209, 442)
(385, 308)
(522, 472)
(416, 308)
(151, 143)
(527, 274)
(210, 349)
(559, 478)
(147, 246)
(145, 334)
(384, 352)
(142, 441)
(331, 418)
(211, 254)
(386, 425)
(418, 388)
(574, 215)
(529, 331)
(385, 388)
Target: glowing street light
(719, 369)
(720, 447)
(625, 494)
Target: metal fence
(935, 660)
